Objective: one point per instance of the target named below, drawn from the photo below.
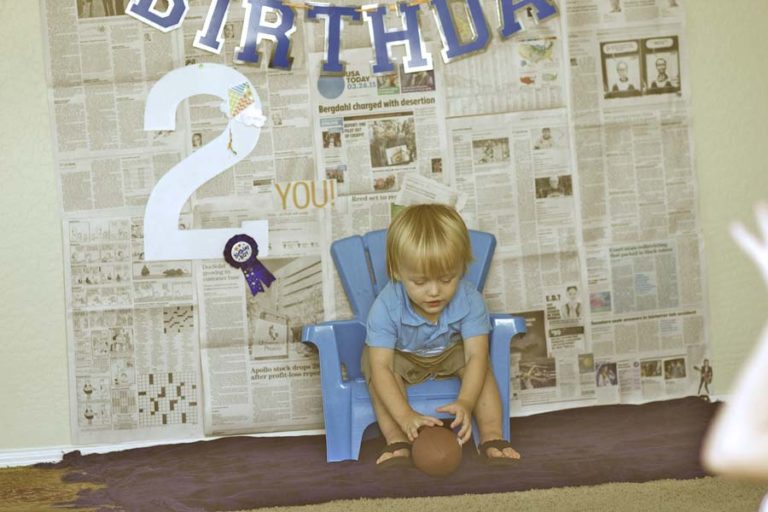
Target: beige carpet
(700, 495)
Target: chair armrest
(504, 328)
(332, 340)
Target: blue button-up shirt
(392, 322)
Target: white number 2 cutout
(163, 240)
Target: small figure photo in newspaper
(554, 186)
(605, 375)
(650, 369)
(600, 302)
(384, 183)
(336, 173)
(545, 140)
(229, 31)
(418, 81)
(539, 373)
(621, 62)
(388, 84)
(623, 77)
(674, 369)
(571, 307)
(392, 142)
(662, 65)
(490, 151)
(332, 138)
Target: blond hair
(431, 238)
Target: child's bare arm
(737, 443)
(388, 390)
(475, 369)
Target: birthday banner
(257, 28)
(208, 153)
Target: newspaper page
(518, 172)
(134, 355)
(132, 327)
(372, 130)
(257, 375)
(630, 106)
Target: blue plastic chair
(347, 410)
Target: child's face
(429, 295)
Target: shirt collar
(456, 309)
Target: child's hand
(463, 415)
(414, 421)
(755, 247)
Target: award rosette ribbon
(240, 252)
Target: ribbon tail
(257, 276)
(264, 275)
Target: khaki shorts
(415, 369)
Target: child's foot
(498, 452)
(397, 454)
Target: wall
(725, 48)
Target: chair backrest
(361, 262)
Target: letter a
(510, 26)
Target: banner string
(390, 7)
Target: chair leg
(362, 418)
(337, 450)
(355, 441)
(338, 428)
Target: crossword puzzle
(167, 398)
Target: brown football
(436, 451)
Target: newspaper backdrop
(571, 142)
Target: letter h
(417, 57)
